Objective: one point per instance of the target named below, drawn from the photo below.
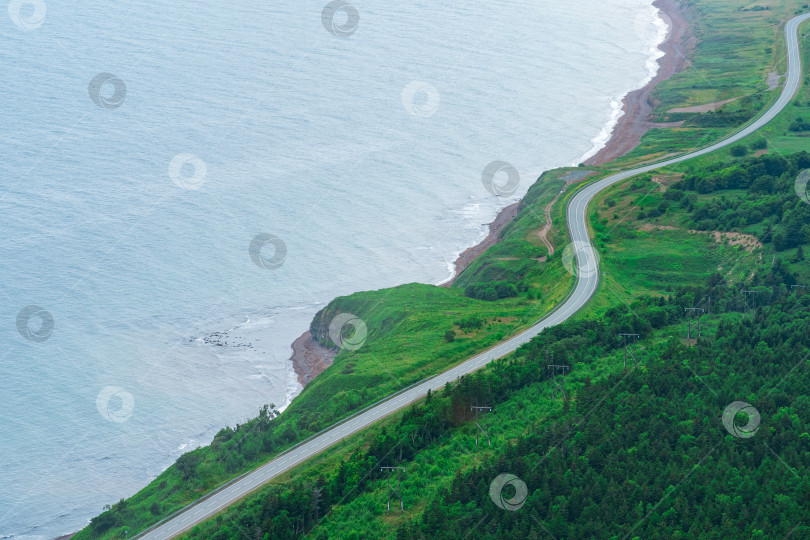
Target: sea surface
(144, 147)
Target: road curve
(587, 281)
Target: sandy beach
(310, 359)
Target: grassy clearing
(653, 256)
(737, 48)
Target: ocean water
(145, 145)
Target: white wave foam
(478, 215)
(187, 446)
(601, 140)
(293, 386)
(662, 29)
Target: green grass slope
(636, 452)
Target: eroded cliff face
(309, 358)
(319, 327)
(314, 350)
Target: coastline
(309, 359)
(637, 105)
(466, 257)
(626, 134)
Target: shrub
(506, 290)
(739, 150)
(187, 464)
(759, 144)
(470, 322)
(491, 290)
(799, 125)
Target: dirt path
(543, 232)
(572, 177)
(706, 107)
(773, 79)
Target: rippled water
(363, 154)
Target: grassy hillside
(739, 44)
(407, 340)
(418, 330)
(631, 451)
(662, 230)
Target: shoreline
(637, 105)
(309, 359)
(466, 257)
(629, 128)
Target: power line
(485, 429)
(554, 384)
(631, 353)
(691, 311)
(752, 306)
(396, 491)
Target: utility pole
(750, 307)
(627, 351)
(485, 429)
(691, 311)
(554, 384)
(803, 287)
(396, 491)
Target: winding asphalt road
(587, 281)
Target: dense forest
(644, 454)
